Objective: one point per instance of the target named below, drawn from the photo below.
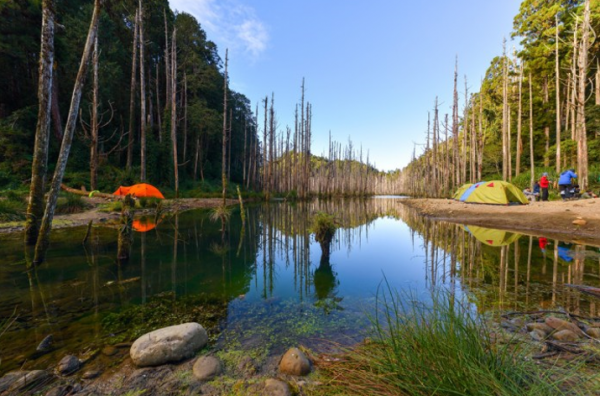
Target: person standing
(544, 184)
(565, 181)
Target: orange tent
(140, 190)
(143, 224)
(145, 190)
(122, 190)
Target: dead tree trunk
(557, 78)
(39, 168)
(46, 226)
(532, 162)
(519, 124)
(224, 147)
(132, 91)
(174, 110)
(94, 125)
(582, 150)
(142, 97)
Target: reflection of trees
(504, 276)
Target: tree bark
(94, 128)
(46, 226)
(39, 168)
(174, 109)
(557, 78)
(132, 91)
(224, 147)
(582, 150)
(142, 97)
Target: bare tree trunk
(504, 112)
(557, 78)
(174, 109)
(46, 226)
(532, 165)
(142, 97)
(39, 168)
(455, 139)
(582, 150)
(94, 128)
(167, 61)
(132, 91)
(185, 107)
(519, 124)
(224, 149)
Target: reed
(441, 348)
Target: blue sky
(372, 68)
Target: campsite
(248, 197)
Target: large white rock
(170, 344)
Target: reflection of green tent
(493, 237)
(493, 192)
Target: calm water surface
(268, 280)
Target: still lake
(262, 285)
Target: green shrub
(70, 203)
(11, 210)
(324, 227)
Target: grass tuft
(70, 203)
(442, 348)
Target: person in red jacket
(544, 184)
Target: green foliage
(12, 206)
(324, 227)
(70, 203)
(164, 310)
(442, 348)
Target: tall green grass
(440, 348)
(70, 203)
(12, 206)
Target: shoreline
(552, 219)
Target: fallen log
(592, 291)
(87, 193)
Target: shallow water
(266, 279)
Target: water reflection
(275, 286)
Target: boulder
(274, 387)
(91, 374)
(538, 334)
(206, 368)
(294, 362)
(46, 344)
(69, 364)
(170, 344)
(565, 335)
(593, 332)
(559, 324)
(28, 379)
(543, 327)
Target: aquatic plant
(441, 348)
(324, 227)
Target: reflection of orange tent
(140, 190)
(122, 190)
(143, 224)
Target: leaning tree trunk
(46, 226)
(39, 168)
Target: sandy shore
(552, 219)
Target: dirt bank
(552, 219)
(97, 213)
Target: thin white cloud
(230, 24)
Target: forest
(155, 106)
(537, 109)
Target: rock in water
(593, 332)
(579, 222)
(170, 344)
(27, 380)
(207, 367)
(275, 387)
(46, 344)
(69, 364)
(294, 362)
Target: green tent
(496, 192)
(461, 191)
